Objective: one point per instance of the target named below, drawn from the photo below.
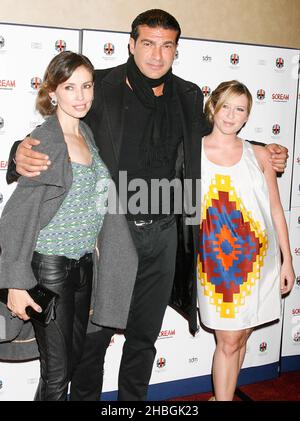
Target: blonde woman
(240, 274)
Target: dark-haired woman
(49, 226)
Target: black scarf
(156, 137)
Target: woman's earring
(53, 101)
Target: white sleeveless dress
(239, 259)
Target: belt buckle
(141, 223)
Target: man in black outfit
(150, 114)
(148, 122)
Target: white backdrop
(25, 52)
(183, 363)
(291, 331)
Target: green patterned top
(73, 231)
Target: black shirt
(132, 160)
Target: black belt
(144, 222)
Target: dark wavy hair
(60, 69)
(155, 18)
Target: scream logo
(280, 97)
(296, 311)
(167, 333)
(7, 84)
(297, 251)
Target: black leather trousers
(61, 342)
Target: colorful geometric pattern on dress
(232, 248)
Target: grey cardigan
(30, 208)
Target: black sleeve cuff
(257, 143)
(11, 174)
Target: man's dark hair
(155, 18)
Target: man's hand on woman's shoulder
(30, 163)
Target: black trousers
(61, 343)
(156, 245)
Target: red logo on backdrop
(35, 82)
(206, 90)
(295, 311)
(161, 362)
(276, 129)
(298, 160)
(263, 347)
(109, 49)
(296, 337)
(60, 45)
(7, 84)
(234, 59)
(279, 62)
(3, 165)
(261, 94)
(297, 251)
(167, 333)
(280, 97)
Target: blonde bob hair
(220, 95)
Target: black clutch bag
(45, 298)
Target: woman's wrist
(287, 258)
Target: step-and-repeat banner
(25, 52)
(291, 331)
(183, 363)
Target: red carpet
(286, 387)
